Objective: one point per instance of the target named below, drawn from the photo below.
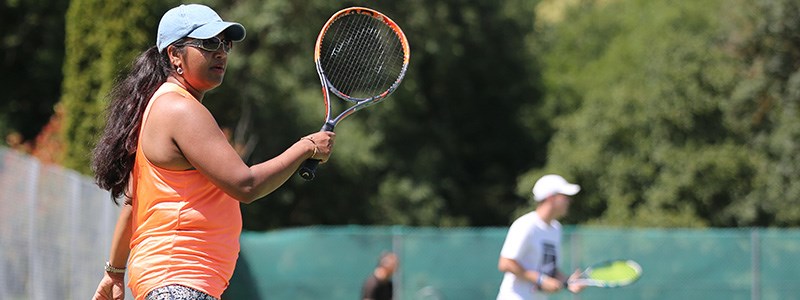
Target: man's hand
(550, 284)
(575, 287)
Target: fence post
(575, 255)
(33, 244)
(755, 244)
(74, 214)
(397, 248)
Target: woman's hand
(111, 287)
(323, 142)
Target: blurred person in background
(378, 286)
(529, 257)
(177, 235)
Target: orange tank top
(185, 229)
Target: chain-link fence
(55, 230)
(461, 263)
(56, 226)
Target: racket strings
(358, 76)
(365, 35)
(361, 56)
(617, 271)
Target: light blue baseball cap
(194, 21)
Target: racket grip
(308, 169)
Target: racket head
(361, 55)
(611, 273)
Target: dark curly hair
(113, 157)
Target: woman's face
(204, 62)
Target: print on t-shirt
(549, 258)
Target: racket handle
(308, 169)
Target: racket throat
(328, 126)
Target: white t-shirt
(535, 245)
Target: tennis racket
(361, 57)
(609, 274)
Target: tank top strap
(166, 87)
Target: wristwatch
(112, 269)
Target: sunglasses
(211, 44)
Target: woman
(182, 181)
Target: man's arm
(368, 289)
(544, 282)
(512, 266)
(574, 288)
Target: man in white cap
(529, 257)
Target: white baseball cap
(552, 184)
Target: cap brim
(570, 189)
(233, 31)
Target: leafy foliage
(419, 158)
(667, 113)
(98, 49)
(31, 56)
(663, 131)
(764, 104)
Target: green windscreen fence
(461, 263)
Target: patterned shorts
(178, 292)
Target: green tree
(764, 107)
(647, 87)
(445, 149)
(102, 38)
(459, 134)
(31, 55)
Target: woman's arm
(112, 286)
(120, 243)
(187, 127)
